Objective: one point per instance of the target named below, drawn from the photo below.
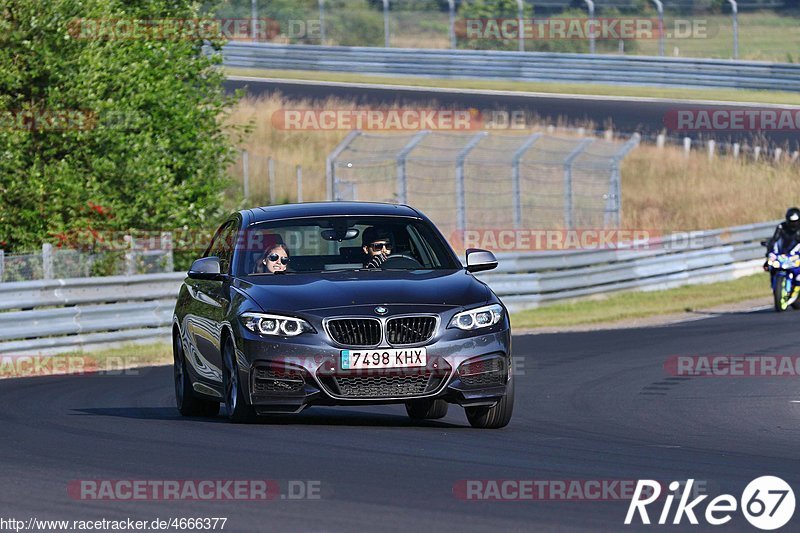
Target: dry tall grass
(661, 188)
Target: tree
(92, 114)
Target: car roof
(321, 209)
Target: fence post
(515, 177)
(402, 179)
(735, 150)
(451, 4)
(246, 174)
(322, 22)
(711, 148)
(568, 192)
(47, 261)
(271, 176)
(734, 12)
(461, 200)
(521, 35)
(590, 5)
(330, 164)
(661, 140)
(386, 23)
(2, 264)
(660, 9)
(254, 18)
(778, 154)
(756, 153)
(130, 256)
(166, 244)
(687, 146)
(299, 171)
(614, 201)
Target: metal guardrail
(518, 66)
(58, 315)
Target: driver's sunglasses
(275, 257)
(378, 246)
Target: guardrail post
(330, 164)
(687, 146)
(2, 264)
(712, 145)
(736, 149)
(451, 4)
(322, 22)
(660, 9)
(756, 153)
(386, 23)
(590, 5)
(271, 177)
(568, 192)
(402, 179)
(515, 177)
(661, 140)
(299, 184)
(47, 261)
(461, 200)
(777, 154)
(246, 174)
(734, 12)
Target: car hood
(326, 290)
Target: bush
(143, 139)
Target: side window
(223, 244)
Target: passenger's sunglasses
(378, 246)
(275, 257)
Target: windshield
(342, 243)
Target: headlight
(482, 317)
(286, 326)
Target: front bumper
(286, 377)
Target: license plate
(390, 358)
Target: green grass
(725, 95)
(630, 305)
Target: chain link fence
(481, 180)
(139, 257)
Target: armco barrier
(58, 315)
(518, 66)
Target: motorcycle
(784, 270)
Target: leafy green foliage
(148, 147)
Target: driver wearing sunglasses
(275, 259)
(377, 244)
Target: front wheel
(495, 417)
(426, 409)
(779, 294)
(236, 408)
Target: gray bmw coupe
(340, 303)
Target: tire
(236, 407)
(777, 295)
(426, 409)
(185, 400)
(495, 417)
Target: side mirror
(207, 268)
(480, 260)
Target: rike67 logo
(767, 503)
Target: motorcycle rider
(787, 232)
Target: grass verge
(677, 93)
(630, 305)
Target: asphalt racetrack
(589, 406)
(647, 116)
